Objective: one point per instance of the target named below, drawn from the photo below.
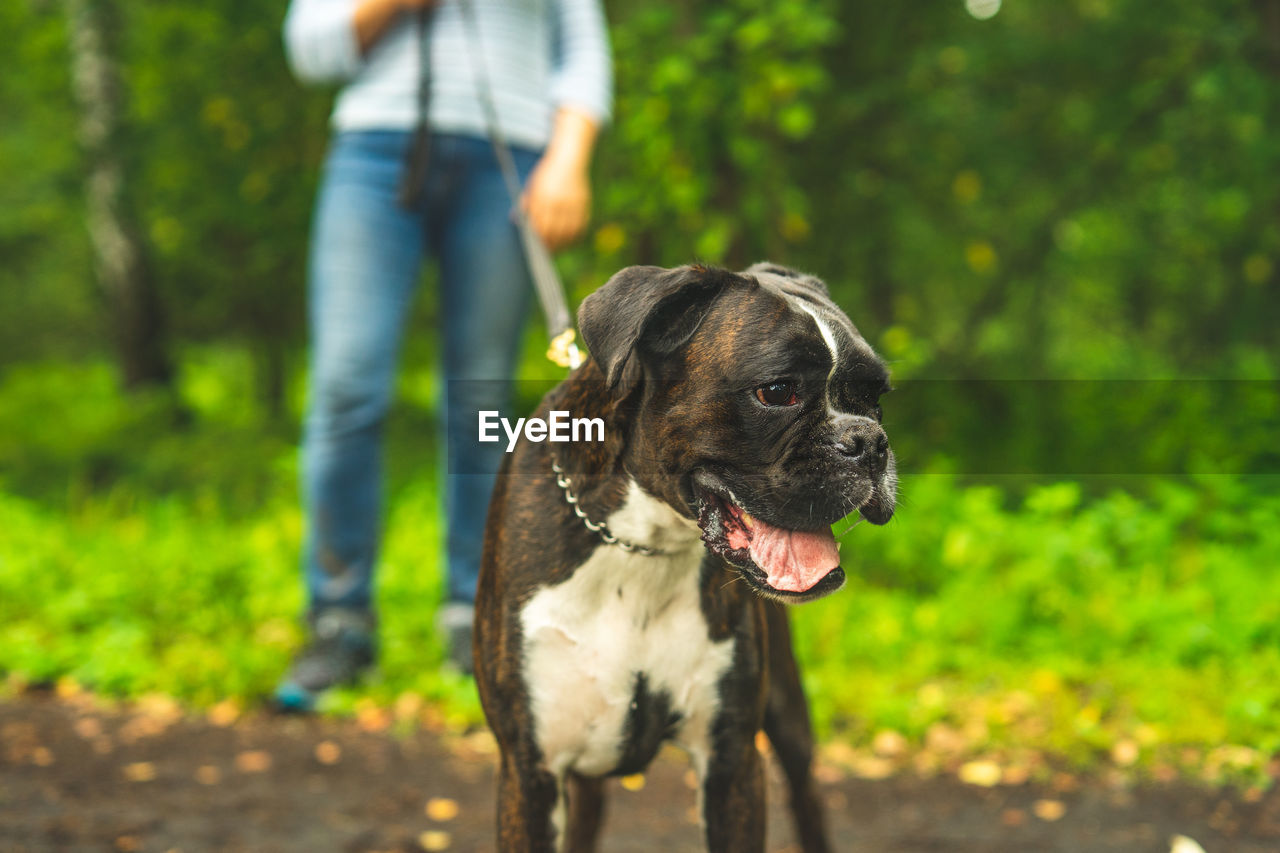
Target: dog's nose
(863, 441)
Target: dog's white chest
(622, 616)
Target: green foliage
(229, 149)
(699, 165)
(136, 559)
(1071, 190)
(43, 243)
(1151, 613)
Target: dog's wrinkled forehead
(807, 295)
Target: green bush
(137, 557)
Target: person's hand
(557, 200)
(557, 197)
(372, 18)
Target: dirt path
(77, 778)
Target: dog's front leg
(733, 799)
(527, 802)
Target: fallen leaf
(872, 767)
(1015, 774)
(1016, 705)
(42, 756)
(144, 725)
(442, 808)
(128, 843)
(1183, 844)
(161, 708)
(328, 752)
(889, 744)
(371, 718)
(1013, 817)
(762, 742)
(926, 763)
(408, 705)
(839, 752)
(432, 719)
(1049, 810)
(983, 773)
(634, 782)
(435, 839)
(88, 727)
(207, 774)
(691, 779)
(139, 771)
(944, 739)
(225, 713)
(253, 761)
(1125, 752)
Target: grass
(1013, 621)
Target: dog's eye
(777, 394)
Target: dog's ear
(795, 277)
(648, 308)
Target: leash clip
(563, 351)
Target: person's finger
(551, 235)
(572, 221)
(561, 226)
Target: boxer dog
(631, 589)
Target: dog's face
(752, 405)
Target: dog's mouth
(792, 565)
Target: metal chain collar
(600, 528)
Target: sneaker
(454, 622)
(342, 648)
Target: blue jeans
(366, 258)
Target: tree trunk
(119, 255)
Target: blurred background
(1060, 222)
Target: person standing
(412, 178)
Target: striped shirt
(538, 55)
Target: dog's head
(752, 405)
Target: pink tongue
(794, 560)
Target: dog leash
(564, 349)
(415, 167)
(555, 307)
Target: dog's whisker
(847, 530)
(731, 581)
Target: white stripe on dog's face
(827, 336)
(827, 331)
